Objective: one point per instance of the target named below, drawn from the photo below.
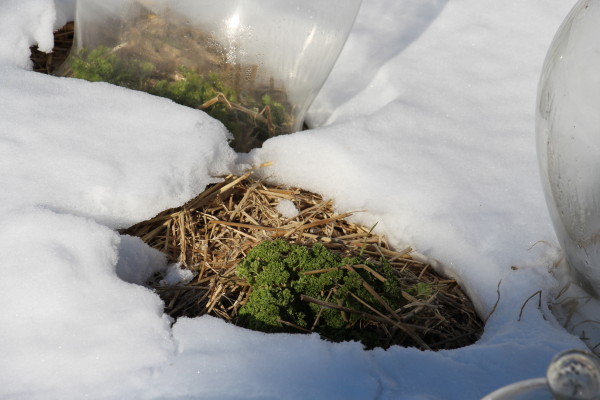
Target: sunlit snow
(427, 123)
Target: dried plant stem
(256, 115)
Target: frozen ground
(427, 122)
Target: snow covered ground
(427, 122)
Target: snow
(137, 264)
(427, 123)
(175, 274)
(287, 209)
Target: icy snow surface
(426, 122)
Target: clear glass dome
(256, 65)
(568, 140)
(571, 375)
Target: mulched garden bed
(213, 233)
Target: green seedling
(293, 286)
(421, 290)
(103, 65)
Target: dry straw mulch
(212, 233)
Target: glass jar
(568, 140)
(571, 375)
(256, 65)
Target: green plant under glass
(249, 119)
